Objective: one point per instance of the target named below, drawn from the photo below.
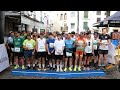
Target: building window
(85, 25)
(73, 14)
(98, 12)
(72, 25)
(85, 14)
(98, 19)
(65, 16)
(61, 28)
(61, 17)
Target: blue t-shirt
(69, 43)
(50, 43)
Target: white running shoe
(88, 68)
(61, 70)
(57, 70)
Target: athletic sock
(28, 65)
(33, 65)
(53, 65)
(43, 65)
(39, 65)
(50, 64)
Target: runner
(29, 49)
(80, 44)
(104, 40)
(10, 47)
(41, 51)
(50, 50)
(69, 44)
(59, 47)
(95, 44)
(89, 50)
(18, 50)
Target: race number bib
(68, 54)
(29, 45)
(41, 48)
(12, 49)
(104, 42)
(95, 47)
(17, 49)
(51, 45)
(89, 49)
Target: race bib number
(17, 49)
(28, 45)
(42, 48)
(80, 48)
(95, 47)
(12, 49)
(89, 49)
(51, 45)
(68, 54)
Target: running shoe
(88, 68)
(70, 69)
(84, 68)
(23, 67)
(75, 69)
(17, 66)
(39, 69)
(79, 69)
(65, 69)
(61, 70)
(57, 70)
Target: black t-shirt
(104, 37)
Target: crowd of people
(58, 51)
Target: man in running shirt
(18, 50)
(95, 44)
(104, 40)
(41, 51)
(89, 50)
(59, 47)
(50, 50)
(10, 47)
(80, 43)
(69, 44)
(29, 49)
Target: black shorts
(96, 52)
(41, 54)
(19, 54)
(28, 53)
(58, 57)
(103, 51)
(52, 56)
(89, 54)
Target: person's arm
(109, 40)
(24, 45)
(36, 46)
(47, 46)
(99, 40)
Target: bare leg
(66, 60)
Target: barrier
(4, 60)
(54, 74)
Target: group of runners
(58, 52)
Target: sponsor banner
(4, 60)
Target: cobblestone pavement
(6, 74)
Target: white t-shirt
(41, 45)
(59, 44)
(88, 48)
